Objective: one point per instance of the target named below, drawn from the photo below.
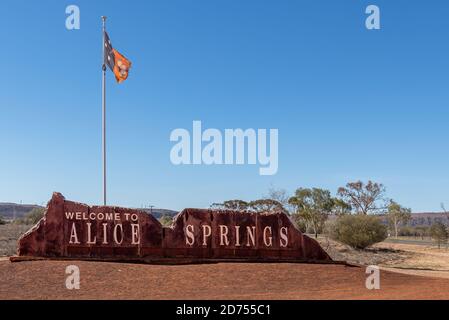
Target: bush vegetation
(358, 231)
(32, 217)
(360, 214)
(439, 233)
(415, 231)
(166, 220)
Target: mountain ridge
(11, 210)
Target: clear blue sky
(349, 103)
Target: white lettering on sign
(135, 233)
(284, 237)
(99, 234)
(89, 234)
(107, 216)
(224, 241)
(116, 233)
(207, 232)
(237, 236)
(73, 235)
(190, 240)
(251, 232)
(226, 233)
(105, 233)
(267, 240)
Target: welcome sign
(75, 230)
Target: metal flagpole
(103, 18)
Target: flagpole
(103, 18)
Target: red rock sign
(75, 230)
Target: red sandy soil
(104, 280)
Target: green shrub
(2, 221)
(407, 231)
(415, 231)
(166, 220)
(422, 231)
(300, 223)
(32, 217)
(439, 233)
(35, 215)
(358, 231)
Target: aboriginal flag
(115, 61)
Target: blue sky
(349, 103)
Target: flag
(117, 62)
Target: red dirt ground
(103, 280)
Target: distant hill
(420, 218)
(9, 211)
(427, 218)
(157, 213)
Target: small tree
(422, 231)
(166, 220)
(439, 233)
(314, 206)
(35, 215)
(406, 231)
(358, 231)
(341, 207)
(396, 215)
(239, 205)
(281, 196)
(445, 212)
(266, 205)
(300, 223)
(363, 198)
(2, 221)
(32, 217)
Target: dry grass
(419, 257)
(9, 234)
(375, 255)
(413, 259)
